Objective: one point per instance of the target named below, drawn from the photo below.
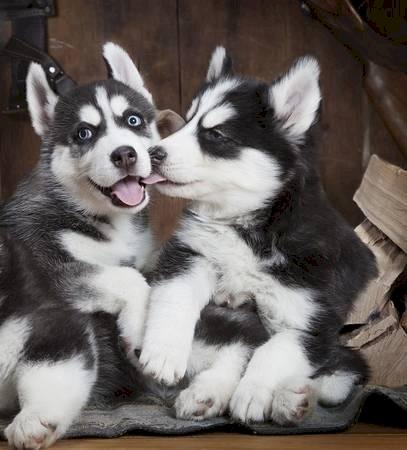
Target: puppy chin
(187, 191)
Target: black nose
(124, 157)
(157, 155)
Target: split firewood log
(378, 321)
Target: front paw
(285, 405)
(292, 404)
(251, 402)
(165, 364)
(201, 401)
(30, 431)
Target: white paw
(292, 405)
(30, 431)
(251, 402)
(230, 300)
(197, 402)
(165, 364)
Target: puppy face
(98, 135)
(243, 137)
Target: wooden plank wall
(172, 41)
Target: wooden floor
(360, 437)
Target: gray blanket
(379, 404)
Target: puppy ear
(219, 65)
(122, 68)
(41, 99)
(168, 122)
(296, 96)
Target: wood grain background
(171, 40)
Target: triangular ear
(122, 68)
(219, 65)
(168, 122)
(41, 99)
(296, 96)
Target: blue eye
(134, 120)
(84, 134)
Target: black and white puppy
(259, 230)
(73, 240)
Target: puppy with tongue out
(130, 191)
(132, 164)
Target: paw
(230, 300)
(196, 403)
(251, 402)
(166, 365)
(30, 431)
(291, 406)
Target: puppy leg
(175, 307)
(211, 390)
(335, 388)
(51, 395)
(347, 369)
(277, 382)
(125, 292)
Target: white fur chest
(231, 257)
(242, 275)
(125, 242)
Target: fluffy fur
(259, 232)
(73, 299)
(71, 255)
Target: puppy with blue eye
(74, 240)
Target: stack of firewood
(378, 324)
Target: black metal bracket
(28, 43)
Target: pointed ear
(168, 122)
(123, 69)
(219, 65)
(41, 99)
(296, 96)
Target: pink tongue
(153, 178)
(129, 191)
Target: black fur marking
(219, 325)
(67, 109)
(175, 259)
(49, 341)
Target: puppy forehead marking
(90, 114)
(192, 109)
(214, 96)
(119, 104)
(218, 115)
(104, 104)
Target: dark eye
(84, 134)
(134, 121)
(216, 135)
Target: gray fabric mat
(154, 419)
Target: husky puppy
(259, 231)
(73, 240)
